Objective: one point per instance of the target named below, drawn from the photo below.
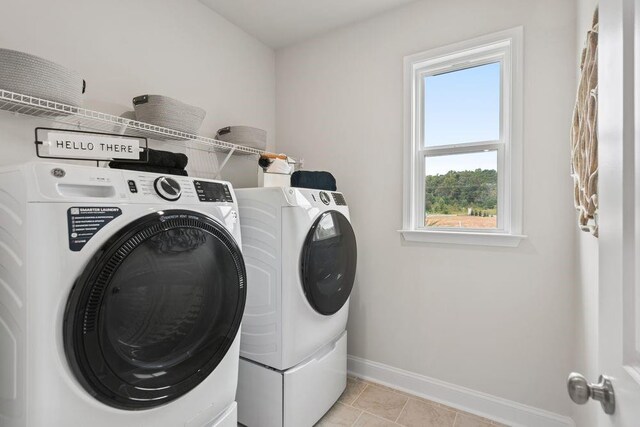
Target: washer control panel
(167, 188)
(83, 183)
(208, 191)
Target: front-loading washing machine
(121, 298)
(301, 255)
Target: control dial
(325, 198)
(167, 188)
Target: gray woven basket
(34, 76)
(169, 113)
(244, 135)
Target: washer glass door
(328, 263)
(156, 310)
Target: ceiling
(279, 23)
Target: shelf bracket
(123, 127)
(224, 163)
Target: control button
(167, 188)
(132, 186)
(325, 198)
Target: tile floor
(366, 404)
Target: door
(155, 310)
(619, 215)
(328, 262)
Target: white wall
(586, 346)
(495, 320)
(127, 48)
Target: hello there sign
(88, 146)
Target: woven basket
(169, 113)
(244, 135)
(34, 76)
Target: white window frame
(504, 47)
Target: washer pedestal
(229, 418)
(297, 397)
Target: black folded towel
(316, 180)
(141, 167)
(160, 158)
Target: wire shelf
(94, 120)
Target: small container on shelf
(168, 113)
(244, 135)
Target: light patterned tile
(420, 413)
(339, 416)
(433, 413)
(431, 402)
(368, 420)
(468, 420)
(389, 388)
(381, 402)
(353, 390)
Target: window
(463, 148)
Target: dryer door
(328, 263)
(156, 309)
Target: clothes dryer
(301, 255)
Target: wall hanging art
(584, 136)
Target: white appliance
(121, 297)
(300, 252)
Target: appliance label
(84, 222)
(78, 145)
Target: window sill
(463, 238)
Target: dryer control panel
(310, 197)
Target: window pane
(461, 190)
(462, 106)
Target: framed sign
(94, 146)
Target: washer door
(156, 309)
(328, 264)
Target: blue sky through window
(462, 106)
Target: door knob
(580, 390)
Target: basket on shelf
(244, 135)
(168, 113)
(31, 75)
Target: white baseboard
(492, 407)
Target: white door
(619, 216)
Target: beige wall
(127, 48)
(496, 320)
(586, 346)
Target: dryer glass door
(156, 310)
(328, 264)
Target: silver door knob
(580, 390)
